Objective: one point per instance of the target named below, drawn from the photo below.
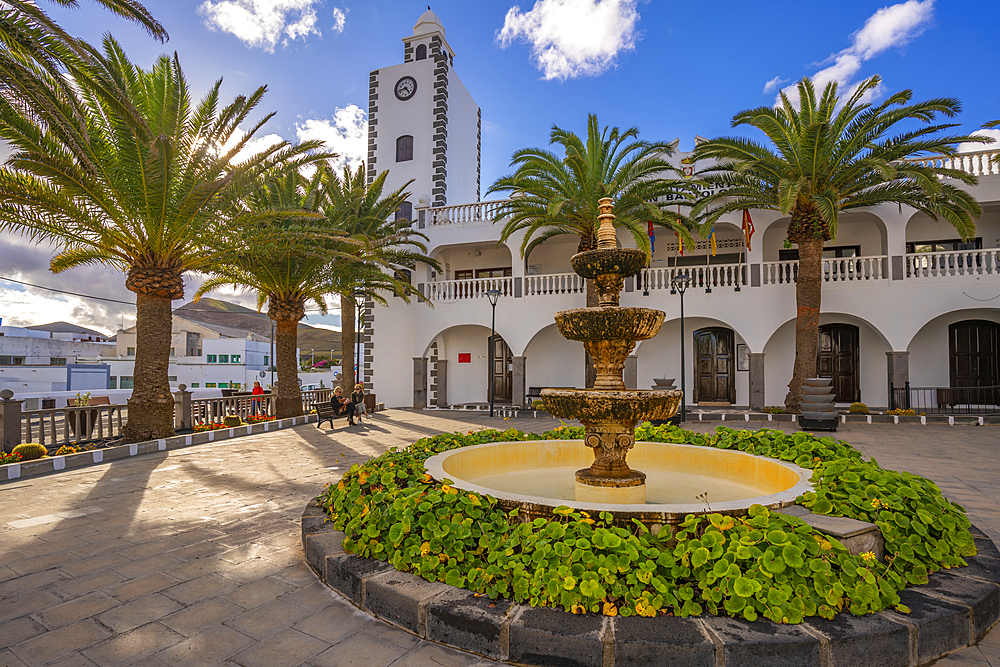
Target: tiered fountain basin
(538, 476)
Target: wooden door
(837, 358)
(714, 366)
(501, 374)
(973, 353)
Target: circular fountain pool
(538, 476)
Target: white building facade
(904, 299)
(43, 361)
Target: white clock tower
(422, 122)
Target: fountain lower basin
(538, 476)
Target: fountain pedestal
(609, 332)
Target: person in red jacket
(255, 404)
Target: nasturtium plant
(764, 564)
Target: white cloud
(970, 147)
(339, 20)
(573, 38)
(252, 147)
(263, 23)
(346, 134)
(889, 27)
(773, 84)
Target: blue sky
(674, 70)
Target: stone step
(858, 537)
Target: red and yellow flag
(747, 227)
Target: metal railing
(979, 163)
(473, 288)
(835, 270)
(554, 284)
(718, 275)
(483, 211)
(945, 400)
(953, 263)
(214, 410)
(61, 426)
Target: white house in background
(34, 360)
(904, 299)
(202, 356)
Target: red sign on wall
(465, 357)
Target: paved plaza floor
(193, 556)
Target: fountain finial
(606, 239)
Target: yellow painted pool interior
(765, 475)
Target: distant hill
(66, 327)
(224, 313)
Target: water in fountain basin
(662, 486)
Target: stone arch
(470, 256)
(659, 356)
(553, 361)
(779, 358)
(464, 381)
(863, 228)
(928, 360)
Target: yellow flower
(868, 557)
(610, 609)
(425, 548)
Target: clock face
(405, 87)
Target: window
(171, 378)
(265, 360)
(404, 148)
(173, 352)
(11, 361)
(951, 245)
(210, 359)
(223, 358)
(422, 52)
(210, 385)
(57, 361)
(223, 385)
(129, 351)
(405, 211)
(126, 382)
(829, 252)
(112, 382)
(195, 385)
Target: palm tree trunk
(807, 300)
(151, 407)
(288, 396)
(348, 323)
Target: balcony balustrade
(473, 288)
(980, 163)
(553, 284)
(483, 211)
(835, 270)
(718, 275)
(953, 263)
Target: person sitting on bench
(342, 404)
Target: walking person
(256, 406)
(342, 404)
(358, 399)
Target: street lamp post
(679, 284)
(492, 295)
(359, 302)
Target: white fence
(719, 275)
(483, 211)
(550, 284)
(952, 263)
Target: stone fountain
(609, 332)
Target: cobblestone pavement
(193, 557)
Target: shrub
(901, 412)
(538, 404)
(774, 410)
(30, 450)
(858, 408)
(763, 564)
(66, 449)
(232, 421)
(256, 419)
(10, 458)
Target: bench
(94, 400)
(327, 412)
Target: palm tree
(387, 247)
(149, 195)
(829, 155)
(552, 195)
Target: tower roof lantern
(428, 22)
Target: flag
(680, 243)
(652, 237)
(747, 227)
(712, 241)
